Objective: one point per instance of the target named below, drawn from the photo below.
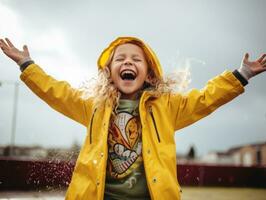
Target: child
(129, 151)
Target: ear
(148, 78)
(108, 69)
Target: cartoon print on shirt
(125, 144)
(132, 131)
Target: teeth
(128, 72)
(128, 75)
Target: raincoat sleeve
(58, 94)
(196, 104)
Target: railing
(218, 175)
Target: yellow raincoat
(160, 118)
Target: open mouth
(128, 74)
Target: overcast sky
(66, 37)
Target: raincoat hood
(152, 59)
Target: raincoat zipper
(153, 120)
(91, 125)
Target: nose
(127, 63)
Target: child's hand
(12, 52)
(251, 68)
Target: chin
(129, 94)
(129, 91)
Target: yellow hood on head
(153, 60)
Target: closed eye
(119, 59)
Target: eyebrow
(134, 55)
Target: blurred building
(246, 155)
(40, 153)
(33, 152)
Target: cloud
(10, 25)
(66, 38)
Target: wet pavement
(189, 193)
(30, 195)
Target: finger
(246, 57)
(25, 48)
(9, 42)
(263, 69)
(262, 57)
(4, 44)
(263, 61)
(2, 47)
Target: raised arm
(196, 104)
(58, 94)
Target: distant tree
(191, 153)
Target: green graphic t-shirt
(125, 177)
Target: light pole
(14, 115)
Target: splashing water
(179, 70)
(52, 174)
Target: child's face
(129, 69)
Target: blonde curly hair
(103, 88)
